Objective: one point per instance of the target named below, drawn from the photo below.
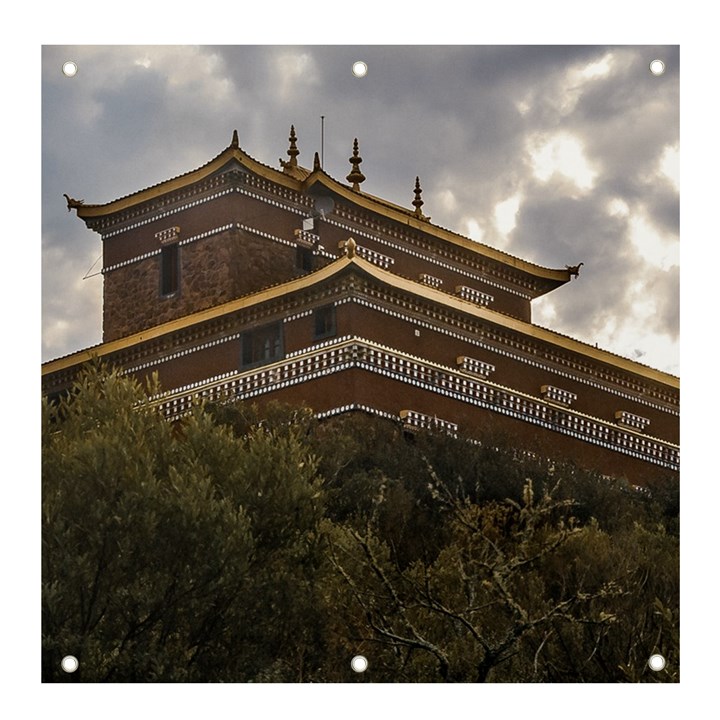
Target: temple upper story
(236, 225)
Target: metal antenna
(322, 141)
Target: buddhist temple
(241, 281)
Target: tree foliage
(255, 544)
(158, 540)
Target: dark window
(304, 259)
(261, 346)
(169, 269)
(325, 322)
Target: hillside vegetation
(249, 546)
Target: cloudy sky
(559, 155)
(555, 154)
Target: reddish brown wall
(409, 266)
(401, 334)
(214, 270)
(411, 338)
(206, 216)
(231, 263)
(384, 394)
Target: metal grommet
(69, 664)
(359, 68)
(657, 662)
(657, 67)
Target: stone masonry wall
(213, 270)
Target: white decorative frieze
(167, 236)
(629, 420)
(473, 295)
(431, 280)
(344, 353)
(478, 367)
(421, 421)
(558, 395)
(311, 239)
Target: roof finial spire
(235, 141)
(316, 162)
(418, 202)
(293, 152)
(355, 176)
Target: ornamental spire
(316, 162)
(355, 176)
(418, 202)
(235, 141)
(293, 151)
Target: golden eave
(407, 217)
(190, 178)
(302, 180)
(212, 313)
(534, 331)
(383, 276)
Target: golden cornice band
(356, 262)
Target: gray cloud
(462, 118)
